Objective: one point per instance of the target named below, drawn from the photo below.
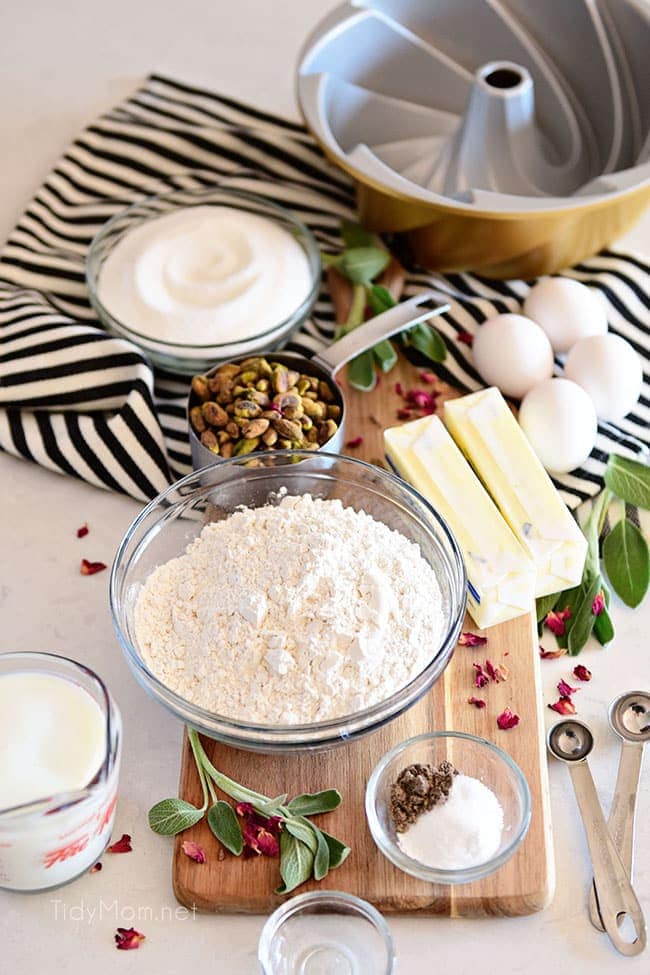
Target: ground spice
(417, 789)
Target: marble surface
(58, 70)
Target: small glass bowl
(326, 933)
(471, 756)
(184, 357)
(171, 521)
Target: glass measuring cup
(54, 839)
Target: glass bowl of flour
(298, 600)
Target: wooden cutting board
(524, 885)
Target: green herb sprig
(361, 262)
(625, 559)
(305, 850)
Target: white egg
(566, 310)
(511, 352)
(609, 370)
(560, 422)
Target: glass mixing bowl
(472, 756)
(165, 527)
(185, 357)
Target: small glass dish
(326, 933)
(185, 357)
(171, 521)
(470, 755)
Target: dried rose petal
(83, 530)
(90, 568)
(565, 689)
(244, 809)
(480, 677)
(564, 706)
(399, 389)
(581, 673)
(551, 654)
(507, 720)
(274, 825)
(466, 338)
(96, 867)
(556, 621)
(267, 843)
(471, 640)
(422, 399)
(428, 377)
(123, 845)
(194, 851)
(127, 939)
(404, 414)
(355, 442)
(598, 604)
(478, 702)
(501, 673)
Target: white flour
(297, 612)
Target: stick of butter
(501, 576)
(487, 432)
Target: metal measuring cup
(572, 742)
(629, 718)
(326, 364)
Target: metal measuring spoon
(629, 718)
(572, 742)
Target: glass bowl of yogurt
(60, 747)
(197, 276)
(448, 807)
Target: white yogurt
(53, 740)
(205, 275)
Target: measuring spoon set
(613, 905)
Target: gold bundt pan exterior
(497, 245)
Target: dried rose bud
(466, 338)
(564, 706)
(598, 604)
(83, 530)
(96, 867)
(477, 702)
(565, 689)
(480, 677)
(123, 845)
(580, 672)
(127, 939)
(471, 640)
(355, 442)
(556, 621)
(267, 843)
(507, 720)
(90, 568)
(551, 654)
(194, 851)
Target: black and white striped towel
(84, 403)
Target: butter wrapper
(498, 450)
(501, 576)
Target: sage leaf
(629, 480)
(223, 822)
(604, 628)
(583, 620)
(339, 852)
(296, 862)
(361, 372)
(380, 299)
(385, 355)
(171, 816)
(310, 804)
(361, 264)
(627, 562)
(354, 235)
(303, 830)
(427, 341)
(322, 857)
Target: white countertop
(56, 73)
